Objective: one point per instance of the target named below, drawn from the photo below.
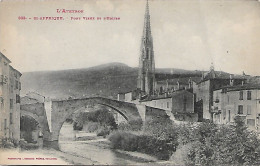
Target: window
(168, 104)
(11, 103)
(248, 95)
(224, 114)
(5, 124)
(11, 118)
(147, 52)
(240, 109)
(16, 84)
(12, 89)
(17, 99)
(241, 95)
(20, 87)
(2, 102)
(249, 110)
(229, 118)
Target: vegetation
(100, 121)
(157, 137)
(192, 144)
(133, 125)
(128, 141)
(209, 144)
(7, 143)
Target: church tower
(146, 73)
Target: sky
(187, 34)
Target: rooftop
(1, 54)
(241, 87)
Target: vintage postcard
(129, 82)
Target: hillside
(106, 80)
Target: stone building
(241, 100)
(211, 81)
(10, 87)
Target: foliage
(103, 131)
(103, 117)
(7, 143)
(162, 129)
(100, 121)
(158, 137)
(91, 126)
(220, 145)
(133, 125)
(128, 141)
(78, 120)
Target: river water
(94, 151)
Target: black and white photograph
(130, 82)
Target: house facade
(10, 87)
(211, 81)
(243, 100)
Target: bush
(77, 126)
(222, 145)
(103, 131)
(142, 143)
(133, 125)
(91, 126)
(7, 143)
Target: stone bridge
(63, 109)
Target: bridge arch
(63, 109)
(33, 116)
(38, 113)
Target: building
(164, 93)
(211, 81)
(242, 100)
(32, 97)
(10, 87)
(146, 73)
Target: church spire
(147, 27)
(146, 76)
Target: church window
(147, 52)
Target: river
(96, 150)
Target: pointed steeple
(146, 77)
(147, 26)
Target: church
(184, 97)
(154, 91)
